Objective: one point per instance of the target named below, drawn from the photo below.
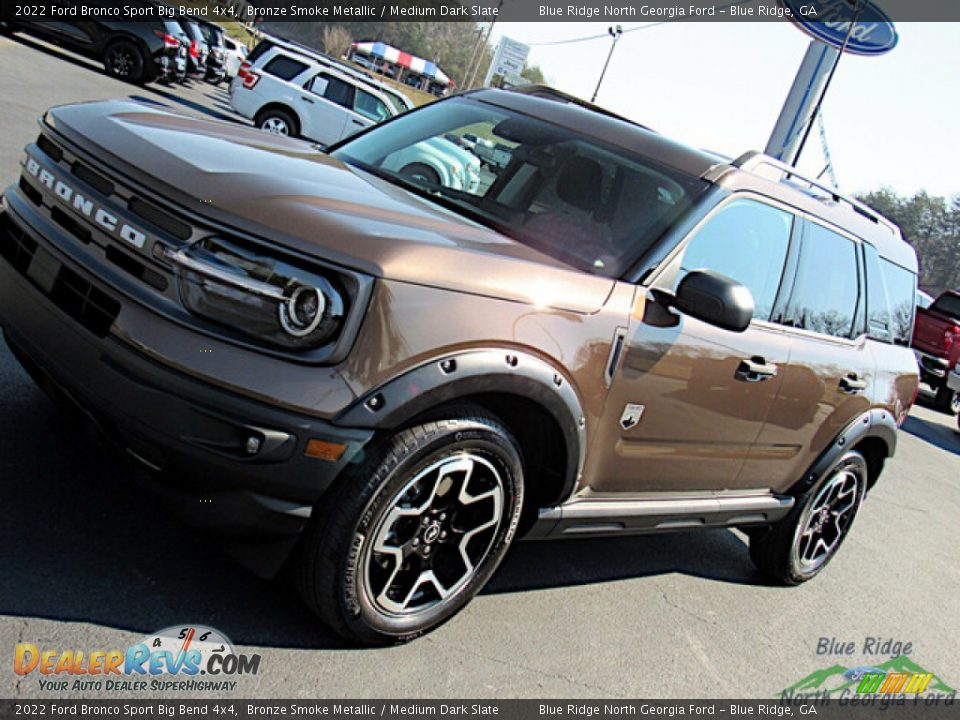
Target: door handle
(306, 99)
(851, 384)
(756, 369)
(357, 122)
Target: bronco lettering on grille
(72, 198)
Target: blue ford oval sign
(829, 20)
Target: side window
(901, 289)
(370, 107)
(339, 92)
(746, 241)
(826, 289)
(878, 303)
(318, 85)
(284, 67)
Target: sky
(892, 120)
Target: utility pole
(483, 49)
(615, 33)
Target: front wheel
(421, 174)
(407, 539)
(798, 547)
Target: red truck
(936, 343)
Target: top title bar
(614, 11)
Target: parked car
(197, 50)
(235, 54)
(495, 156)
(936, 343)
(321, 104)
(271, 45)
(436, 161)
(135, 51)
(379, 385)
(216, 57)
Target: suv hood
(290, 192)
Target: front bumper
(931, 366)
(195, 439)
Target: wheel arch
(873, 434)
(536, 402)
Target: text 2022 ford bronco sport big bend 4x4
(385, 381)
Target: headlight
(259, 295)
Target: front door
(689, 399)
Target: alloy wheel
(826, 520)
(121, 62)
(437, 531)
(275, 125)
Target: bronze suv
(383, 381)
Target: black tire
(350, 576)
(277, 121)
(947, 400)
(780, 551)
(123, 60)
(420, 173)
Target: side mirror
(715, 299)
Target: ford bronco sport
(381, 382)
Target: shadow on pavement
(215, 94)
(83, 543)
(66, 56)
(934, 433)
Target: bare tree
(336, 40)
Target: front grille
(33, 195)
(77, 297)
(163, 220)
(50, 148)
(93, 179)
(71, 225)
(85, 303)
(136, 268)
(15, 246)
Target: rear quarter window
(901, 287)
(259, 50)
(284, 67)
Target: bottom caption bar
(820, 709)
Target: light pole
(615, 32)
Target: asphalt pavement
(89, 562)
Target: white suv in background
(294, 95)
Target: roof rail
(753, 160)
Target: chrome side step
(586, 517)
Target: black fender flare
(476, 372)
(874, 423)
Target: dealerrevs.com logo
(190, 658)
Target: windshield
(948, 305)
(592, 206)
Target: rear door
(830, 376)
(326, 104)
